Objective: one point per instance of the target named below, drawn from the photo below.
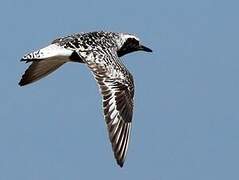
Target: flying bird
(101, 52)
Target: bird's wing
(44, 61)
(39, 69)
(117, 89)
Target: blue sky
(186, 100)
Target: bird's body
(100, 51)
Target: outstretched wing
(44, 61)
(38, 70)
(117, 88)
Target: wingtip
(120, 163)
(21, 83)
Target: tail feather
(52, 50)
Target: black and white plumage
(100, 51)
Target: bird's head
(128, 43)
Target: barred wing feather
(117, 94)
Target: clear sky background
(186, 116)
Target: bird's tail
(50, 51)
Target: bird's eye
(132, 41)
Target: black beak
(143, 48)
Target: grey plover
(101, 52)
